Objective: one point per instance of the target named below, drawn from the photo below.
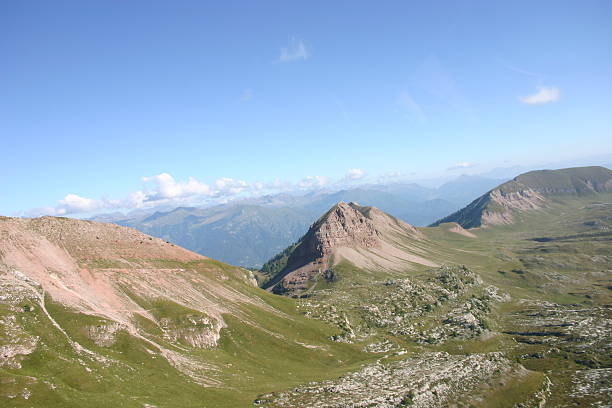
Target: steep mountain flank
(118, 274)
(88, 311)
(530, 191)
(364, 236)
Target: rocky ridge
(364, 236)
(528, 192)
(343, 225)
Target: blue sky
(124, 104)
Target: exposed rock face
(117, 275)
(345, 226)
(342, 226)
(196, 331)
(104, 334)
(526, 199)
(528, 192)
(497, 207)
(426, 380)
(14, 344)
(362, 235)
(508, 202)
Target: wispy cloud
(295, 51)
(544, 95)
(391, 175)
(309, 182)
(460, 166)
(519, 70)
(408, 103)
(351, 176)
(437, 89)
(354, 174)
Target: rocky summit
(360, 235)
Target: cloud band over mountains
(164, 189)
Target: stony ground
(574, 339)
(443, 303)
(426, 380)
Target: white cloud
(312, 182)
(136, 199)
(159, 189)
(545, 94)
(74, 204)
(462, 165)
(297, 50)
(355, 174)
(391, 175)
(227, 186)
(167, 187)
(164, 190)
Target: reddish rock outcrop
(367, 233)
(343, 225)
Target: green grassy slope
(264, 350)
(165, 354)
(573, 181)
(551, 183)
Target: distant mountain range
(249, 232)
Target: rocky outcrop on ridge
(528, 192)
(364, 236)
